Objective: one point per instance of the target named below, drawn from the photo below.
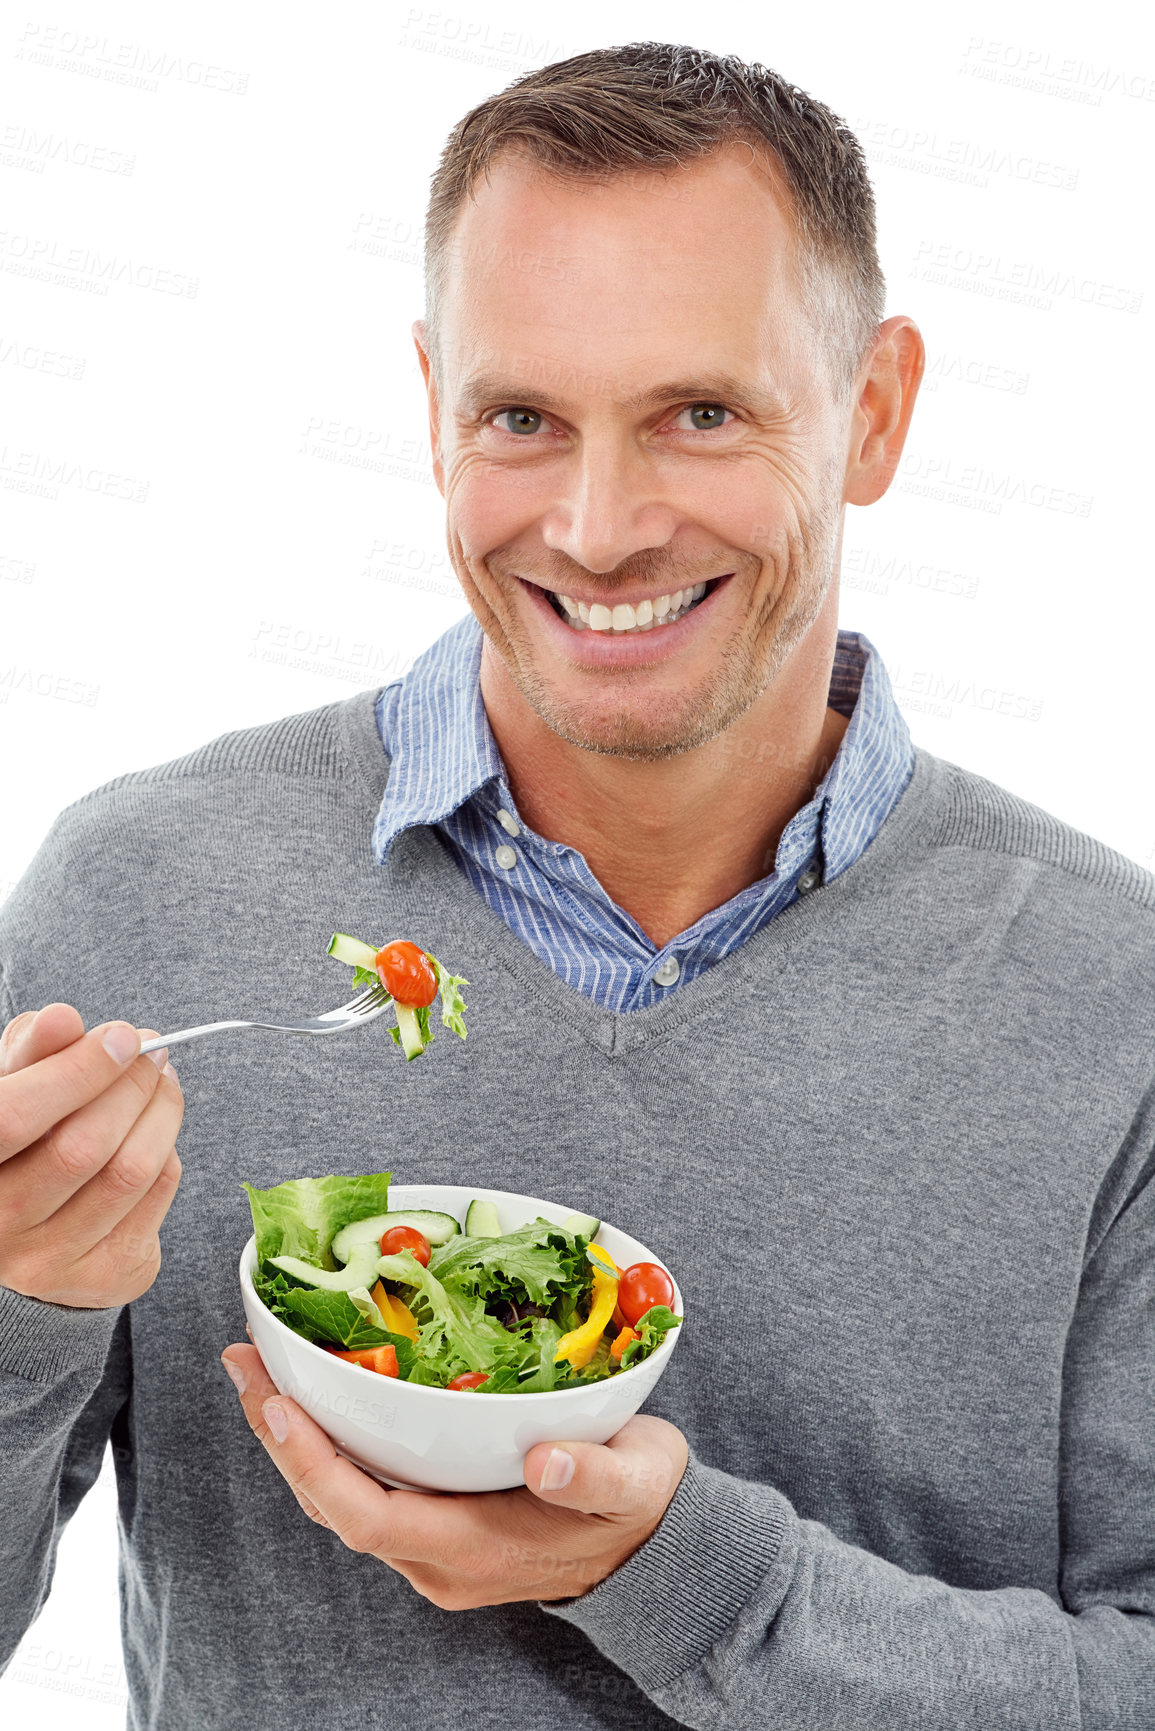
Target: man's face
(631, 406)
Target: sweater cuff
(41, 1342)
(659, 1613)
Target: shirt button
(810, 880)
(505, 819)
(506, 857)
(668, 972)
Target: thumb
(633, 1475)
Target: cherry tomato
(407, 974)
(643, 1285)
(400, 1238)
(469, 1379)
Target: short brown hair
(659, 105)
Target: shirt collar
(434, 727)
(437, 734)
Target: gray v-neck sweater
(898, 1148)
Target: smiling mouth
(620, 620)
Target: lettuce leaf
(455, 1331)
(538, 1263)
(452, 1002)
(328, 1318)
(652, 1330)
(300, 1217)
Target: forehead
(624, 273)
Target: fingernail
(277, 1419)
(237, 1374)
(559, 1469)
(121, 1042)
(169, 1071)
(160, 1059)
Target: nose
(608, 506)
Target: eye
(520, 420)
(706, 416)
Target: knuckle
(128, 1174)
(308, 1482)
(74, 1153)
(143, 1075)
(10, 1038)
(310, 1509)
(134, 1264)
(169, 1176)
(362, 1534)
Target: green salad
(418, 1295)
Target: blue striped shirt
(447, 772)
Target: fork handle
(191, 1034)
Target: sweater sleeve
(64, 1376)
(737, 1613)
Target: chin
(639, 734)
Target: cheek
(488, 506)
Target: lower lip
(621, 649)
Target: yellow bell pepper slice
(602, 1255)
(580, 1344)
(399, 1319)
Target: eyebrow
(722, 388)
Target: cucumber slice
(583, 1223)
(412, 1039)
(437, 1228)
(361, 1270)
(353, 951)
(481, 1220)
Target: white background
(215, 495)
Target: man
(858, 1041)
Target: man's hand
(88, 1162)
(488, 1547)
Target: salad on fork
(413, 978)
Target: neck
(672, 839)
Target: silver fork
(367, 1005)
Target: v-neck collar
(422, 872)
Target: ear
(887, 388)
(424, 361)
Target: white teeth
(622, 617)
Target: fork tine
(367, 999)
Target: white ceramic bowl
(436, 1439)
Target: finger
(363, 1514)
(38, 1034)
(634, 1474)
(115, 1271)
(32, 1100)
(99, 1145)
(132, 1247)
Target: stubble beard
(653, 728)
